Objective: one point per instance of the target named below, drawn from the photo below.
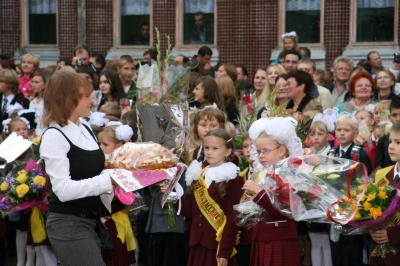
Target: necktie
(342, 151)
(4, 108)
(396, 179)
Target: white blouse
(54, 149)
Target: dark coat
(17, 99)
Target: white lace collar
(222, 173)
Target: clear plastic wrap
(311, 187)
(248, 214)
(141, 156)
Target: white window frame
(179, 29)
(282, 27)
(117, 26)
(353, 29)
(25, 28)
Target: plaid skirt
(275, 253)
(201, 256)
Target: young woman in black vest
(74, 163)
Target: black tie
(396, 179)
(342, 151)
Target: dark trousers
(348, 251)
(2, 251)
(165, 249)
(243, 254)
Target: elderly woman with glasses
(361, 89)
(385, 84)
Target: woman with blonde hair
(385, 83)
(227, 89)
(273, 71)
(29, 64)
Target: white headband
(289, 34)
(13, 107)
(97, 119)
(329, 118)
(122, 132)
(6, 122)
(280, 129)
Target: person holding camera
(81, 55)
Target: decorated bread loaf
(141, 156)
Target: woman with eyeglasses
(385, 84)
(361, 90)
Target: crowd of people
(58, 103)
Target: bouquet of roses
(305, 187)
(377, 210)
(24, 189)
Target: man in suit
(10, 93)
(382, 154)
(349, 249)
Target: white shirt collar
(71, 130)
(395, 171)
(344, 149)
(222, 173)
(9, 98)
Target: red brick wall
(164, 19)
(336, 28)
(99, 25)
(247, 31)
(67, 28)
(10, 26)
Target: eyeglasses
(365, 85)
(343, 69)
(267, 151)
(382, 78)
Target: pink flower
(124, 197)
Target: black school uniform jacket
(363, 157)
(17, 99)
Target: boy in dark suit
(348, 251)
(382, 155)
(389, 176)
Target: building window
(198, 22)
(42, 23)
(375, 20)
(304, 17)
(134, 22)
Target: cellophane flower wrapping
(246, 104)
(310, 187)
(23, 189)
(377, 210)
(364, 135)
(162, 107)
(248, 214)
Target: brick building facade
(246, 31)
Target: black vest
(83, 164)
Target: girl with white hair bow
(275, 239)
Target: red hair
(356, 77)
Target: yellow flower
(21, 178)
(352, 207)
(22, 190)
(375, 212)
(353, 193)
(4, 186)
(357, 216)
(39, 180)
(36, 141)
(370, 196)
(382, 195)
(367, 206)
(360, 187)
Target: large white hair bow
(289, 34)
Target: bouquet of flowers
(377, 209)
(364, 135)
(305, 187)
(162, 107)
(246, 105)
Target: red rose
(294, 162)
(314, 191)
